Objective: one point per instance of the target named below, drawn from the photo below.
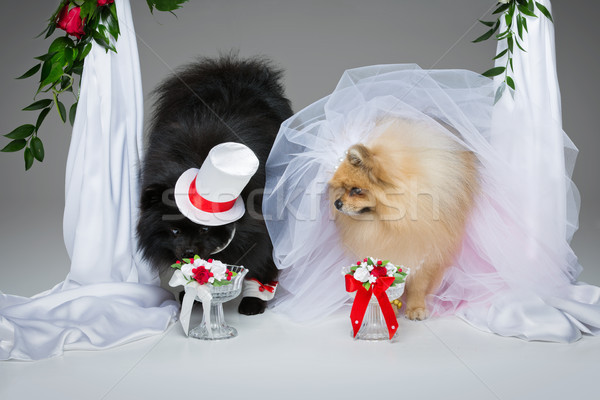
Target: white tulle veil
(515, 273)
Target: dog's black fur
(209, 102)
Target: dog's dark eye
(355, 191)
(175, 231)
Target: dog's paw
(252, 306)
(416, 314)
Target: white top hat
(210, 195)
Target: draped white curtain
(110, 295)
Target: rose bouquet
(198, 271)
(373, 280)
(371, 269)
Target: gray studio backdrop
(314, 41)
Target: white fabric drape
(110, 295)
(516, 273)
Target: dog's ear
(360, 156)
(152, 195)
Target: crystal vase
(213, 325)
(373, 325)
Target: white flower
(346, 270)
(197, 262)
(219, 270)
(186, 269)
(504, 1)
(372, 279)
(362, 274)
(211, 279)
(391, 269)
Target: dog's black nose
(338, 204)
(189, 253)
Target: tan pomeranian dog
(405, 196)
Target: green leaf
(187, 261)
(15, 145)
(165, 5)
(50, 31)
(510, 43)
(113, 10)
(88, 8)
(22, 132)
(41, 117)
(86, 51)
(494, 71)
(485, 36)
(38, 105)
(52, 70)
(367, 285)
(28, 155)
(112, 24)
(544, 11)
(520, 26)
(524, 20)
(31, 71)
(501, 9)
(60, 44)
(62, 112)
(510, 82)
(487, 23)
(508, 20)
(526, 11)
(37, 148)
(45, 57)
(499, 92)
(502, 53)
(530, 5)
(103, 41)
(176, 266)
(510, 61)
(72, 113)
(520, 47)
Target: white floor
(273, 358)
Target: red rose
(201, 275)
(104, 2)
(379, 272)
(70, 21)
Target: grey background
(314, 41)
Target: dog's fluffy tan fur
(405, 196)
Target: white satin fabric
(516, 273)
(110, 296)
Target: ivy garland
(508, 9)
(85, 22)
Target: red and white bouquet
(371, 278)
(369, 270)
(198, 271)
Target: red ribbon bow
(363, 296)
(269, 287)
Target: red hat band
(206, 205)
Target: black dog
(204, 104)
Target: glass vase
(373, 326)
(213, 325)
